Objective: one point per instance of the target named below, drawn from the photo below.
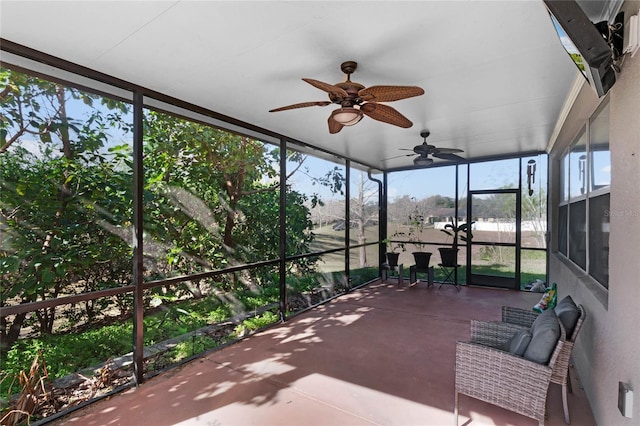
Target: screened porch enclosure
(507, 239)
(133, 217)
(157, 219)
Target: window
(599, 153)
(578, 233)
(578, 167)
(599, 238)
(562, 229)
(585, 179)
(564, 173)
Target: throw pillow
(518, 343)
(545, 332)
(568, 313)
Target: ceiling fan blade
(386, 114)
(448, 156)
(333, 91)
(447, 150)
(389, 93)
(398, 156)
(301, 105)
(334, 126)
(405, 149)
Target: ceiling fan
(355, 100)
(424, 150)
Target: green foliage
(66, 354)
(190, 348)
(362, 275)
(210, 201)
(65, 204)
(261, 218)
(416, 227)
(303, 283)
(71, 352)
(256, 323)
(394, 246)
(207, 198)
(174, 319)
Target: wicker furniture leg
(565, 404)
(455, 411)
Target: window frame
(567, 200)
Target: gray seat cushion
(518, 343)
(545, 332)
(568, 313)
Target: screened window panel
(533, 266)
(315, 206)
(494, 174)
(323, 278)
(211, 198)
(599, 153)
(534, 201)
(562, 229)
(364, 217)
(65, 192)
(361, 274)
(578, 168)
(418, 213)
(578, 234)
(564, 177)
(599, 238)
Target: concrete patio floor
(381, 355)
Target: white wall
(608, 349)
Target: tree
(534, 212)
(50, 193)
(400, 209)
(364, 210)
(211, 199)
(363, 207)
(212, 196)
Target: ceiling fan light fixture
(422, 161)
(347, 116)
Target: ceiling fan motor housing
(352, 90)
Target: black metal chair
(449, 272)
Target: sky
(422, 183)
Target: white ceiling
(494, 72)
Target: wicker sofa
(488, 371)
